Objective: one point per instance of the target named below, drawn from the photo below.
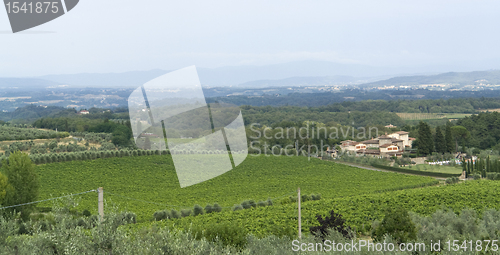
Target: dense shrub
(185, 212)
(493, 176)
(397, 224)
(160, 215)
(175, 214)
(197, 210)
(216, 208)
(452, 180)
(208, 209)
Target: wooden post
(100, 206)
(300, 223)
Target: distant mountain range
(451, 78)
(300, 73)
(308, 81)
(33, 83)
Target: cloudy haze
(119, 36)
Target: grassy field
(437, 168)
(430, 116)
(146, 184)
(490, 110)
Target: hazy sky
(125, 35)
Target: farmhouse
(386, 145)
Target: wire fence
(49, 199)
(183, 206)
(125, 197)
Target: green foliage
(216, 208)
(448, 137)
(439, 142)
(8, 133)
(23, 177)
(198, 210)
(397, 224)
(225, 233)
(208, 209)
(153, 178)
(452, 180)
(86, 213)
(359, 211)
(493, 176)
(476, 176)
(416, 172)
(425, 143)
(185, 212)
(174, 214)
(4, 186)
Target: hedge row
(416, 172)
(197, 210)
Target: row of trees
(121, 132)
(8, 133)
(427, 142)
(481, 166)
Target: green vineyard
(145, 184)
(359, 211)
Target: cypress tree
(488, 164)
(425, 140)
(464, 167)
(440, 142)
(468, 167)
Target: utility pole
(300, 223)
(100, 206)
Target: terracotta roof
(402, 132)
(384, 137)
(347, 141)
(396, 140)
(372, 151)
(372, 141)
(411, 138)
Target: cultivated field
(146, 184)
(430, 116)
(359, 211)
(437, 168)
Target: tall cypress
(488, 164)
(448, 138)
(440, 142)
(425, 141)
(464, 167)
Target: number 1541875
(32, 7)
